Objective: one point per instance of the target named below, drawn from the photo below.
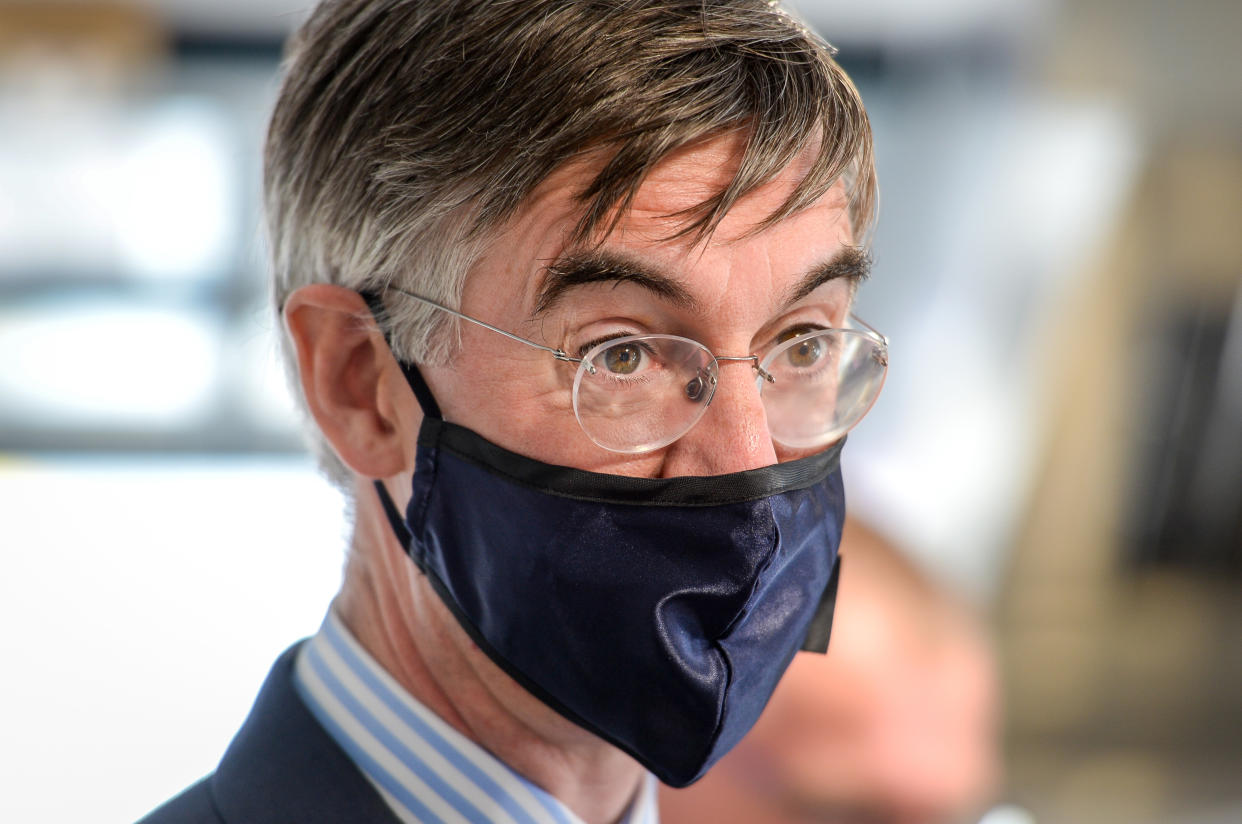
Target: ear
(352, 383)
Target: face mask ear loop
(412, 376)
(422, 392)
(395, 521)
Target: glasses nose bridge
(754, 362)
(721, 360)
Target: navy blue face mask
(658, 613)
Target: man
(897, 724)
(567, 285)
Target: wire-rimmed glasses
(637, 393)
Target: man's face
(737, 294)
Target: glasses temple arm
(559, 354)
(878, 334)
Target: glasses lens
(642, 392)
(822, 384)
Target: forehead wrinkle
(580, 268)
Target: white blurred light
(147, 600)
(260, 17)
(254, 349)
(1007, 814)
(172, 199)
(89, 187)
(944, 460)
(912, 22)
(107, 364)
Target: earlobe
(347, 376)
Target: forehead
(690, 176)
(540, 234)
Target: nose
(732, 435)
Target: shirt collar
(421, 766)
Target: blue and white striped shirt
(421, 766)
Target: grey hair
(407, 132)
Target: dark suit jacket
(281, 768)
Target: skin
(897, 724)
(520, 398)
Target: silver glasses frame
(562, 355)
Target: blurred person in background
(897, 724)
(567, 287)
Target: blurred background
(1058, 267)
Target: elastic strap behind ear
(422, 392)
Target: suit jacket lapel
(282, 766)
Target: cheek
(519, 402)
(505, 398)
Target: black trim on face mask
(819, 633)
(579, 484)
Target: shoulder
(281, 766)
(194, 806)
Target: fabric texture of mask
(657, 613)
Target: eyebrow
(851, 263)
(581, 268)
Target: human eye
(807, 349)
(628, 357)
(623, 358)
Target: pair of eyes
(625, 359)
